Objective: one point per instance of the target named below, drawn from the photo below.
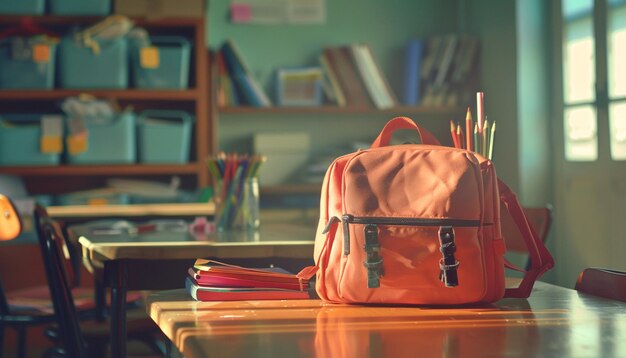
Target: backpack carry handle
(384, 137)
(540, 258)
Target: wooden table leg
(118, 310)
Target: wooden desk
(160, 260)
(80, 213)
(553, 322)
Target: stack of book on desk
(214, 281)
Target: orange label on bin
(97, 201)
(41, 53)
(51, 144)
(149, 57)
(77, 144)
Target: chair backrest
(51, 241)
(603, 282)
(10, 222)
(540, 220)
(10, 228)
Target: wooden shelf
(340, 110)
(64, 20)
(195, 100)
(284, 189)
(98, 170)
(129, 94)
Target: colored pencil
(485, 138)
(476, 138)
(468, 130)
(455, 139)
(480, 110)
(491, 139)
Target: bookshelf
(413, 110)
(266, 48)
(195, 100)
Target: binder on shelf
(412, 72)
(299, 86)
(247, 85)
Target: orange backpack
(417, 224)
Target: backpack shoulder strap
(540, 258)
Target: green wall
(514, 74)
(494, 22)
(534, 89)
(385, 25)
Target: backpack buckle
(448, 264)
(373, 262)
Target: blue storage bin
(20, 136)
(80, 7)
(111, 142)
(81, 67)
(164, 136)
(22, 7)
(20, 70)
(172, 71)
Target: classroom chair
(89, 338)
(539, 219)
(27, 307)
(602, 282)
(12, 316)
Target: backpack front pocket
(411, 260)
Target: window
(583, 93)
(580, 119)
(616, 58)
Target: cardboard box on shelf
(286, 154)
(160, 8)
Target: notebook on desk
(215, 281)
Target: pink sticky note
(240, 12)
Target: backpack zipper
(400, 221)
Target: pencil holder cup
(238, 209)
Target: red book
(209, 293)
(215, 269)
(240, 281)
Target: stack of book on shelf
(441, 71)
(354, 77)
(215, 281)
(236, 83)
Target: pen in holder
(236, 192)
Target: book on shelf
(372, 76)
(248, 87)
(210, 280)
(340, 60)
(332, 88)
(412, 72)
(226, 92)
(449, 70)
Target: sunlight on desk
(554, 321)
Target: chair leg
(1, 341)
(21, 342)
